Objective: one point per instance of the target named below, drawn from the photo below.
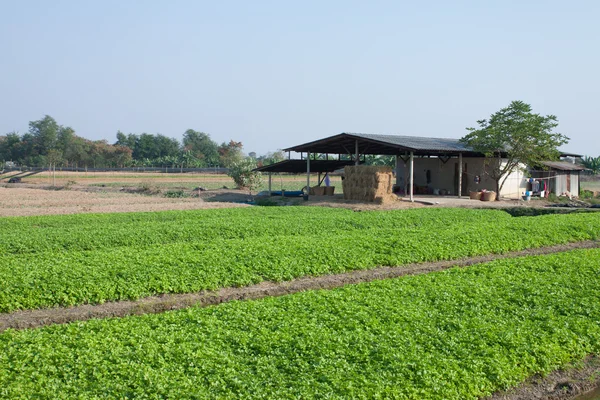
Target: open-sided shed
(405, 148)
(421, 162)
(301, 166)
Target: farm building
(560, 178)
(424, 165)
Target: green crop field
(458, 334)
(77, 259)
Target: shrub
(586, 194)
(266, 202)
(243, 175)
(176, 193)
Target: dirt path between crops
(575, 382)
(156, 304)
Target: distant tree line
(592, 164)
(49, 144)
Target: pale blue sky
(273, 74)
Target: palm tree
(592, 163)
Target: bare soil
(19, 201)
(156, 304)
(571, 382)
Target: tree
(201, 146)
(512, 137)
(130, 140)
(271, 158)
(122, 156)
(8, 144)
(389, 161)
(243, 175)
(187, 159)
(230, 153)
(592, 163)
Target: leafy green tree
(122, 156)
(201, 146)
(271, 158)
(8, 145)
(243, 175)
(45, 134)
(512, 137)
(230, 153)
(389, 161)
(126, 140)
(592, 163)
(187, 159)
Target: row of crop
(458, 334)
(89, 232)
(47, 279)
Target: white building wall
(516, 183)
(575, 184)
(443, 176)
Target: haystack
(368, 183)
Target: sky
(273, 74)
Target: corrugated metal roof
(562, 166)
(417, 142)
(345, 143)
(299, 166)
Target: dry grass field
(591, 185)
(107, 192)
(26, 201)
(185, 181)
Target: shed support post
(308, 174)
(270, 184)
(397, 171)
(460, 173)
(356, 160)
(412, 176)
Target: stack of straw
(368, 183)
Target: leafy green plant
(92, 258)
(592, 163)
(147, 187)
(179, 193)
(267, 202)
(458, 334)
(243, 175)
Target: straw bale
(368, 183)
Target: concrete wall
(515, 185)
(444, 176)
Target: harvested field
(187, 181)
(23, 202)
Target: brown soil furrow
(574, 382)
(156, 304)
